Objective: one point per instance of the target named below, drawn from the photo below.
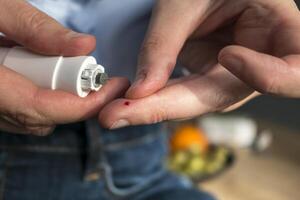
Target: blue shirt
(119, 26)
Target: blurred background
(278, 110)
(252, 153)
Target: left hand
(26, 108)
(202, 30)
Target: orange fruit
(187, 136)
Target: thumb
(37, 31)
(263, 72)
(169, 28)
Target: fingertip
(154, 70)
(137, 92)
(231, 50)
(79, 44)
(73, 108)
(147, 110)
(122, 81)
(65, 43)
(112, 113)
(126, 112)
(234, 58)
(145, 88)
(114, 88)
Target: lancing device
(78, 75)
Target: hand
(26, 108)
(199, 33)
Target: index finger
(39, 32)
(61, 107)
(171, 24)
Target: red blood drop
(127, 103)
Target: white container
(234, 131)
(78, 75)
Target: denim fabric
(59, 166)
(83, 161)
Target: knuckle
(31, 123)
(159, 115)
(268, 85)
(219, 101)
(30, 120)
(151, 44)
(25, 119)
(33, 20)
(155, 118)
(40, 130)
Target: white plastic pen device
(78, 75)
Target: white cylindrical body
(53, 72)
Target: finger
(178, 101)
(62, 107)
(37, 31)
(31, 106)
(171, 24)
(265, 73)
(37, 131)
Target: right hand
(200, 34)
(26, 108)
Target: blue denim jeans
(83, 161)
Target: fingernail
(120, 124)
(232, 63)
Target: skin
(231, 49)
(26, 108)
